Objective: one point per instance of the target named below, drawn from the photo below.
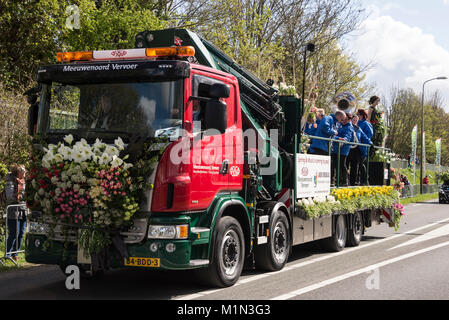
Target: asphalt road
(412, 263)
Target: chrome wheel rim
(231, 253)
(279, 242)
(341, 231)
(357, 225)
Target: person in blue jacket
(368, 130)
(345, 133)
(354, 160)
(311, 125)
(325, 129)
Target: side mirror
(215, 116)
(32, 118)
(219, 90)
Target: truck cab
(190, 109)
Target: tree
(14, 142)
(268, 36)
(332, 71)
(33, 31)
(405, 112)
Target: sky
(408, 41)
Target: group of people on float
(347, 127)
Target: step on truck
(230, 199)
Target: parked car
(443, 196)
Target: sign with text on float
(313, 175)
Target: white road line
(305, 263)
(436, 233)
(357, 272)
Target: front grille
(136, 233)
(70, 235)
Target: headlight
(38, 227)
(168, 232)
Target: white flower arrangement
(286, 90)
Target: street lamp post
(422, 134)
(309, 47)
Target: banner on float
(424, 151)
(313, 175)
(438, 153)
(414, 139)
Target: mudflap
(388, 215)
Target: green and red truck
(232, 200)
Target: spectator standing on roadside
(15, 195)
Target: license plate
(143, 262)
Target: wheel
(355, 233)
(85, 272)
(228, 254)
(273, 255)
(337, 242)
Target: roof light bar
(122, 54)
(186, 51)
(74, 56)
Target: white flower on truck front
(68, 139)
(119, 143)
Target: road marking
(357, 272)
(311, 261)
(439, 232)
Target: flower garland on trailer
(88, 186)
(351, 200)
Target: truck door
(210, 163)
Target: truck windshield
(146, 109)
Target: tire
(227, 255)
(273, 255)
(355, 233)
(337, 242)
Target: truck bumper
(180, 259)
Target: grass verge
(419, 198)
(8, 265)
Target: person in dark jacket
(368, 130)
(325, 129)
(372, 113)
(345, 133)
(15, 195)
